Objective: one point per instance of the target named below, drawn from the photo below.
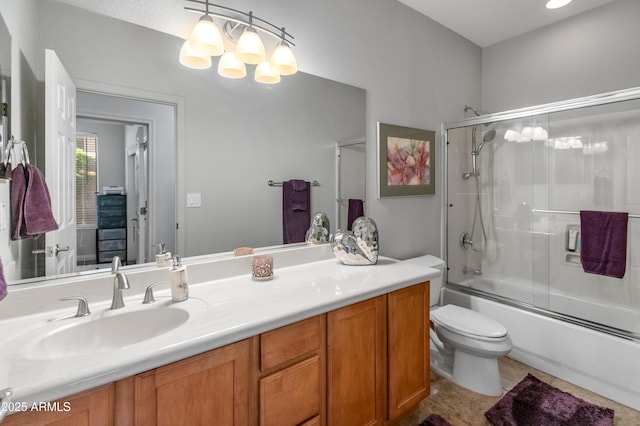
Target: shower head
(487, 137)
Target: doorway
(111, 161)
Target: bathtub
(606, 364)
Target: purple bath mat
(435, 420)
(535, 403)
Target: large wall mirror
(211, 139)
(5, 82)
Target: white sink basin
(106, 333)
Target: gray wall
(595, 52)
(111, 157)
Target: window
(86, 179)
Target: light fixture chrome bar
(274, 183)
(634, 216)
(279, 34)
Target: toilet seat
(468, 323)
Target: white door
(60, 161)
(137, 197)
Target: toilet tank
(436, 283)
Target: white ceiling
(486, 22)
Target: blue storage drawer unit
(111, 236)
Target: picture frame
(406, 161)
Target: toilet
(465, 345)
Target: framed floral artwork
(406, 161)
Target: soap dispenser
(179, 281)
(163, 258)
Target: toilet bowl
(465, 345)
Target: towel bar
(633, 216)
(274, 183)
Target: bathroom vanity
(321, 343)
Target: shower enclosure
(515, 184)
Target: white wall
(416, 73)
(592, 53)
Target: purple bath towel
(604, 242)
(37, 214)
(296, 198)
(356, 209)
(3, 283)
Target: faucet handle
(83, 305)
(148, 294)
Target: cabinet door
(211, 388)
(93, 407)
(356, 338)
(408, 348)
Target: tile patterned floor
(465, 408)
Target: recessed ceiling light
(555, 4)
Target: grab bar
(633, 216)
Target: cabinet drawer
(107, 256)
(112, 234)
(291, 396)
(107, 245)
(112, 200)
(112, 222)
(289, 342)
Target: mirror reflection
(5, 82)
(200, 187)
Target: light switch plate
(194, 200)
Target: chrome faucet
(120, 282)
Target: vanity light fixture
(206, 40)
(556, 4)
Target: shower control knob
(465, 241)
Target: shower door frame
(566, 105)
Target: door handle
(53, 251)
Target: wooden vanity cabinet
(210, 388)
(378, 358)
(408, 348)
(94, 407)
(357, 362)
(363, 364)
(291, 374)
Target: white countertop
(223, 311)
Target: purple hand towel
(3, 283)
(604, 242)
(295, 210)
(356, 209)
(18, 189)
(298, 192)
(37, 214)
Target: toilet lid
(465, 321)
